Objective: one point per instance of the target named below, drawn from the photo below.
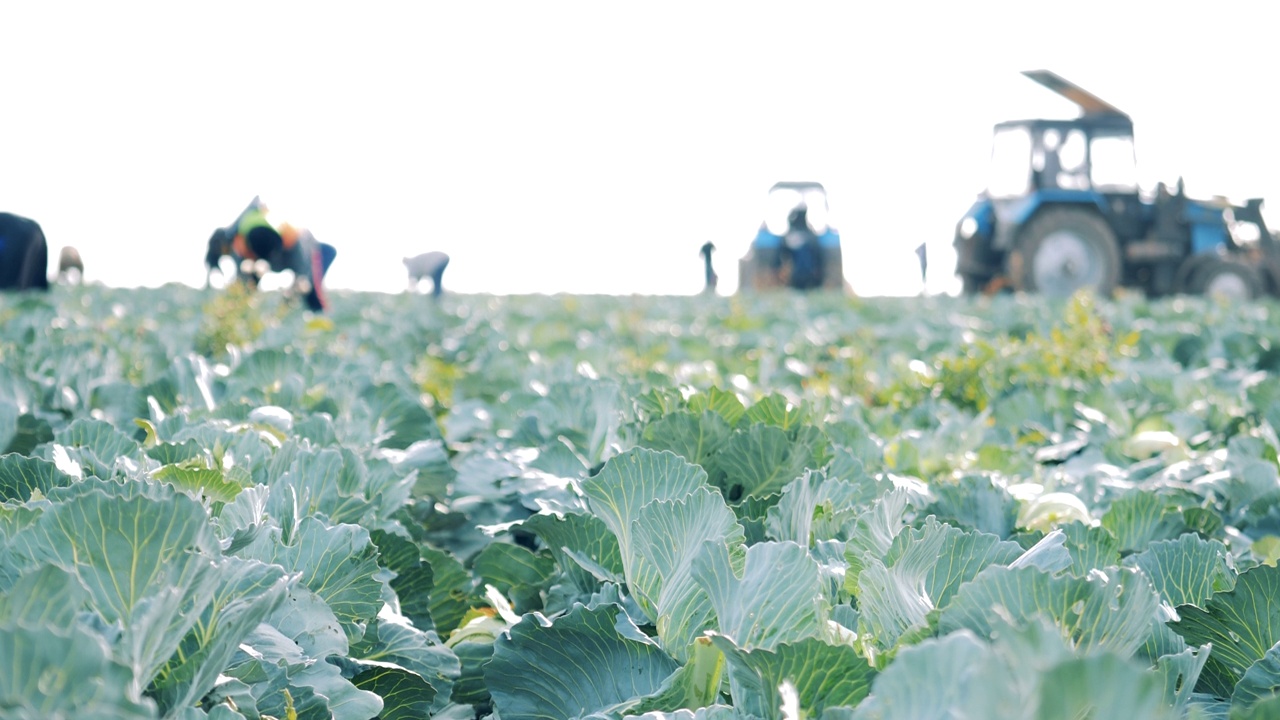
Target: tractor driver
(801, 252)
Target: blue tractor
(795, 247)
(1063, 211)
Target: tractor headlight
(968, 227)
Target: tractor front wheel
(1184, 280)
(1063, 250)
(1227, 279)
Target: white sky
(588, 146)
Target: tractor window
(1010, 157)
(1073, 168)
(779, 207)
(1113, 167)
(1072, 153)
(782, 201)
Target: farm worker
(284, 248)
(220, 245)
(711, 277)
(70, 266)
(429, 264)
(24, 254)
(253, 219)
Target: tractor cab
(1030, 156)
(1091, 152)
(1087, 162)
(1063, 211)
(795, 246)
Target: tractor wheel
(1063, 250)
(1228, 279)
(1184, 279)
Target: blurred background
(586, 147)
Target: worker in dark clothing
(24, 254)
(802, 252)
(284, 248)
(705, 251)
(219, 247)
(252, 220)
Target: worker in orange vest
(284, 247)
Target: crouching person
(70, 266)
(219, 247)
(24, 254)
(427, 265)
(288, 248)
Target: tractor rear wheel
(1228, 279)
(1063, 250)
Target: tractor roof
(1104, 124)
(1090, 105)
(798, 185)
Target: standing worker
(24, 254)
(922, 253)
(711, 276)
(284, 248)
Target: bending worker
(284, 248)
(24, 254)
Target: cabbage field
(213, 505)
